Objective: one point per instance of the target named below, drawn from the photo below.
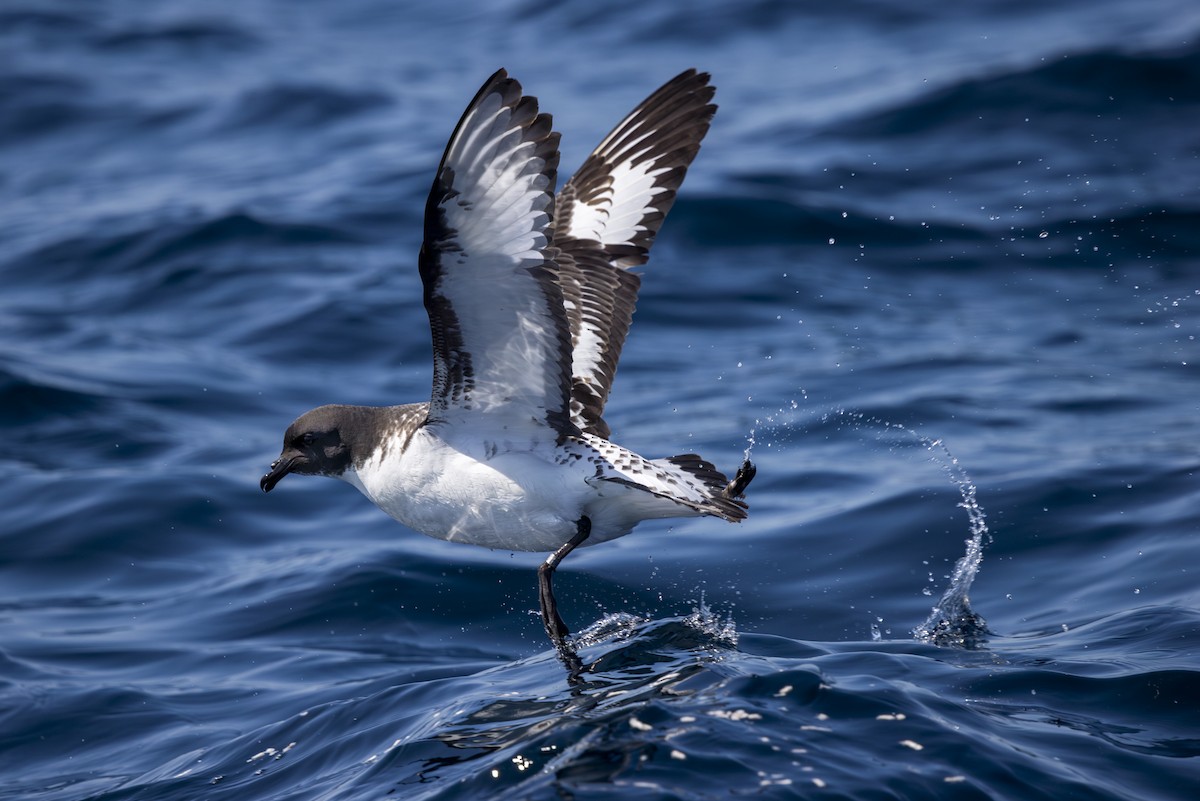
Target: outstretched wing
(501, 340)
(607, 218)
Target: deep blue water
(927, 260)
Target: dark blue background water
(975, 223)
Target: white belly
(512, 500)
(514, 496)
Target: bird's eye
(308, 439)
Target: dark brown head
(318, 443)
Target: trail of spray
(952, 621)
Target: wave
(26, 400)
(299, 105)
(1076, 86)
(159, 243)
(1057, 236)
(46, 23)
(730, 220)
(1084, 159)
(209, 34)
(37, 104)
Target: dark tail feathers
(724, 496)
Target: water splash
(617, 627)
(613, 627)
(777, 423)
(951, 622)
(1172, 307)
(705, 620)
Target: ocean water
(937, 268)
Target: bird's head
(313, 445)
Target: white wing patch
(608, 215)
(617, 217)
(501, 339)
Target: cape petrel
(530, 296)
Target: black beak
(279, 468)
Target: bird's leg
(555, 627)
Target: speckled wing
(501, 339)
(607, 217)
(683, 482)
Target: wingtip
(701, 81)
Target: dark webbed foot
(556, 628)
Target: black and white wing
(607, 218)
(501, 339)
